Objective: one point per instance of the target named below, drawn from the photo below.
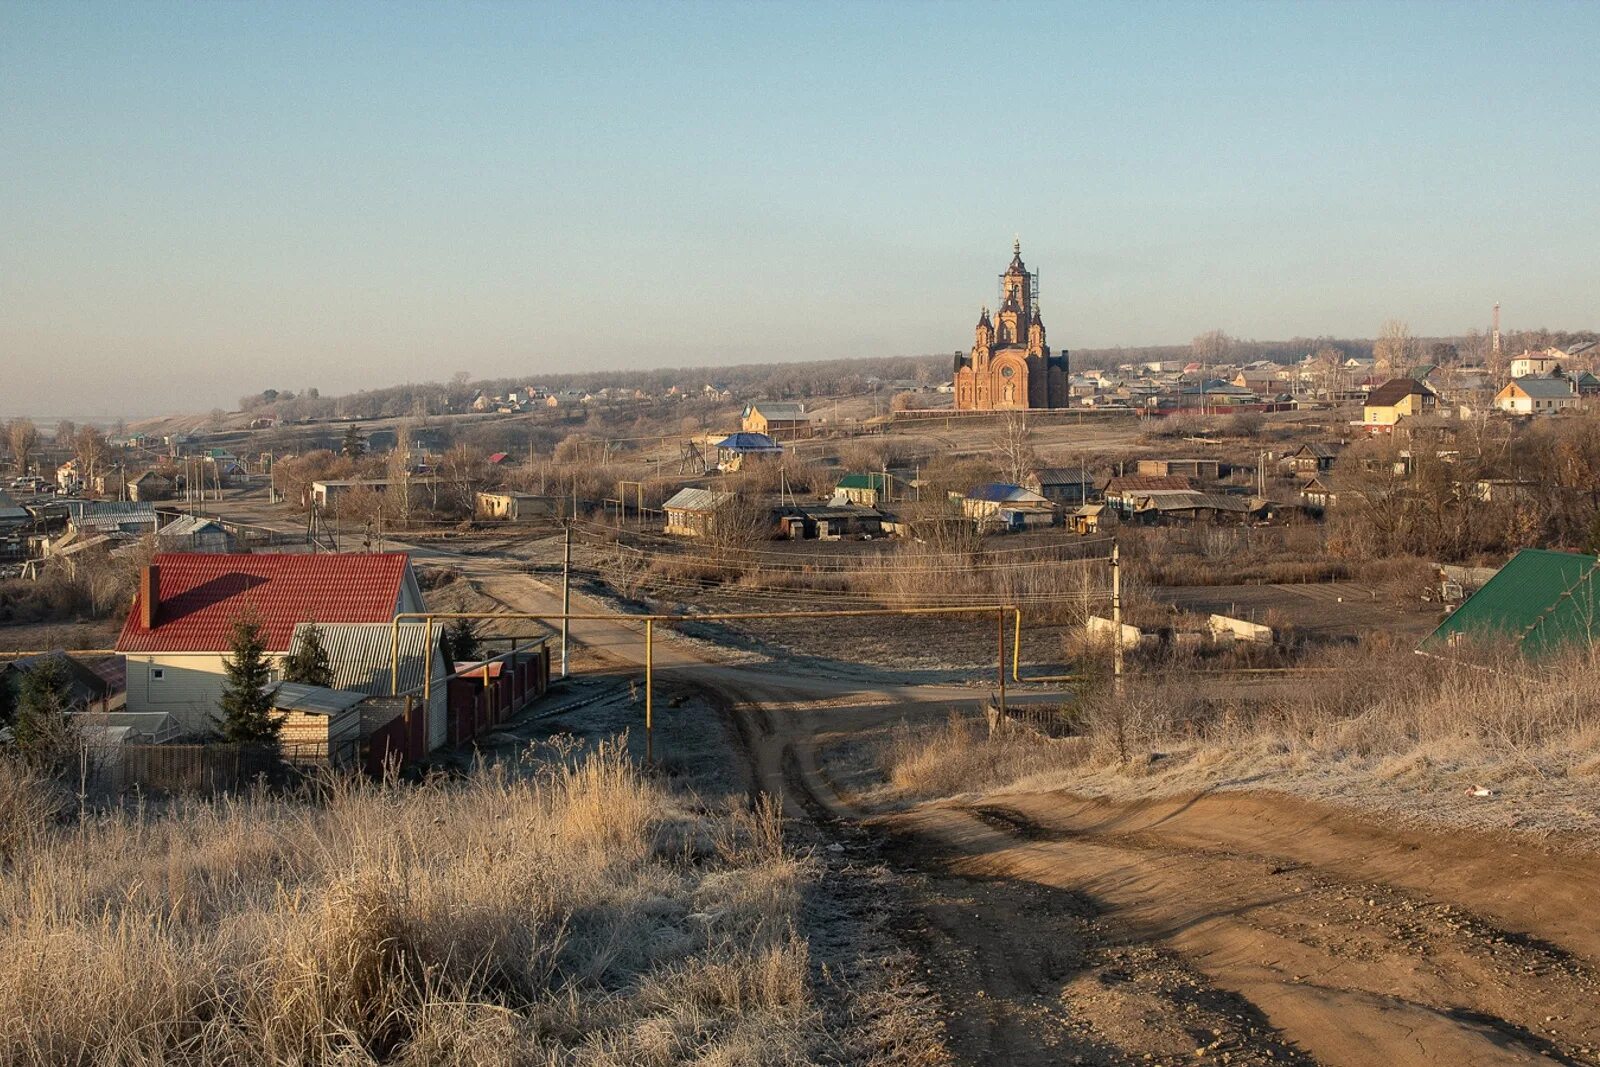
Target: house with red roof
(177, 637)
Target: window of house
(157, 673)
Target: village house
(1011, 507)
(1317, 493)
(178, 636)
(1313, 457)
(736, 449)
(779, 421)
(691, 512)
(196, 533)
(325, 494)
(1060, 485)
(827, 522)
(1189, 506)
(1537, 364)
(152, 485)
(1536, 396)
(869, 489)
(1118, 492)
(1394, 400)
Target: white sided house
(177, 639)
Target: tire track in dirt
(1354, 971)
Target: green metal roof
(863, 481)
(1540, 601)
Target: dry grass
(961, 756)
(1379, 725)
(575, 915)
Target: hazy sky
(205, 199)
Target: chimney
(149, 596)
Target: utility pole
(566, 597)
(1116, 618)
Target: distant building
(1208, 470)
(870, 489)
(1010, 366)
(1536, 396)
(1010, 506)
(1394, 400)
(779, 421)
(1060, 485)
(1537, 364)
(691, 512)
(506, 506)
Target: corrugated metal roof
(1539, 601)
(116, 520)
(692, 499)
(76, 508)
(189, 525)
(359, 653)
(314, 699)
(202, 594)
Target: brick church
(1010, 367)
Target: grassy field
(573, 914)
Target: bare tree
(1012, 443)
(66, 433)
(89, 449)
(23, 437)
(463, 469)
(1395, 349)
(1210, 349)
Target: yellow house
(1394, 400)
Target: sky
(202, 200)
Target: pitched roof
(782, 411)
(203, 593)
(10, 510)
(1187, 499)
(1061, 476)
(1543, 388)
(1146, 483)
(1539, 601)
(749, 442)
(360, 653)
(691, 499)
(870, 480)
(1004, 493)
(1395, 390)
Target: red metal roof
(202, 594)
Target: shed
(508, 506)
(320, 725)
